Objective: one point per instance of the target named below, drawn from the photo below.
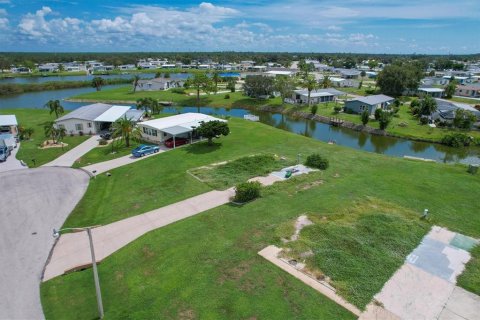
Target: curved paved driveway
(33, 202)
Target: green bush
(457, 140)
(423, 120)
(337, 109)
(317, 161)
(247, 191)
(227, 96)
(103, 142)
(178, 90)
(378, 114)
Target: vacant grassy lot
(33, 118)
(360, 247)
(223, 176)
(207, 266)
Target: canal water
(320, 131)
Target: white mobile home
(8, 124)
(178, 126)
(95, 118)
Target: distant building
(158, 84)
(432, 92)
(472, 91)
(341, 82)
(316, 96)
(369, 103)
(348, 73)
(446, 110)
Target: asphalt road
(34, 201)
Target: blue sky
(370, 26)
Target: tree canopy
(213, 129)
(394, 79)
(256, 86)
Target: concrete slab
(374, 312)
(461, 305)
(38, 201)
(68, 158)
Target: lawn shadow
(203, 147)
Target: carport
(178, 130)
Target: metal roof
(320, 92)
(89, 112)
(112, 114)
(134, 115)
(8, 120)
(431, 89)
(176, 130)
(185, 120)
(374, 99)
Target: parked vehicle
(9, 140)
(178, 142)
(4, 152)
(107, 135)
(145, 149)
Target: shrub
(317, 161)
(103, 142)
(457, 140)
(178, 90)
(247, 191)
(378, 113)
(365, 116)
(384, 119)
(423, 120)
(337, 109)
(227, 96)
(80, 133)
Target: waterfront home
(181, 126)
(316, 96)
(95, 118)
(158, 84)
(446, 111)
(369, 103)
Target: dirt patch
(119, 275)
(147, 252)
(310, 185)
(188, 314)
(301, 223)
(236, 272)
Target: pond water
(320, 131)
(20, 80)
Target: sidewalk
(12, 162)
(105, 166)
(68, 158)
(73, 250)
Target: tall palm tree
(97, 83)
(123, 128)
(135, 82)
(216, 79)
(310, 84)
(200, 82)
(55, 107)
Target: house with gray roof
(369, 103)
(95, 118)
(158, 84)
(446, 110)
(316, 96)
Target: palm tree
(124, 128)
(50, 130)
(200, 81)
(326, 82)
(310, 84)
(97, 83)
(135, 82)
(216, 79)
(55, 107)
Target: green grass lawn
(207, 266)
(470, 278)
(223, 176)
(359, 247)
(104, 153)
(29, 150)
(237, 99)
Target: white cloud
(334, 28)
